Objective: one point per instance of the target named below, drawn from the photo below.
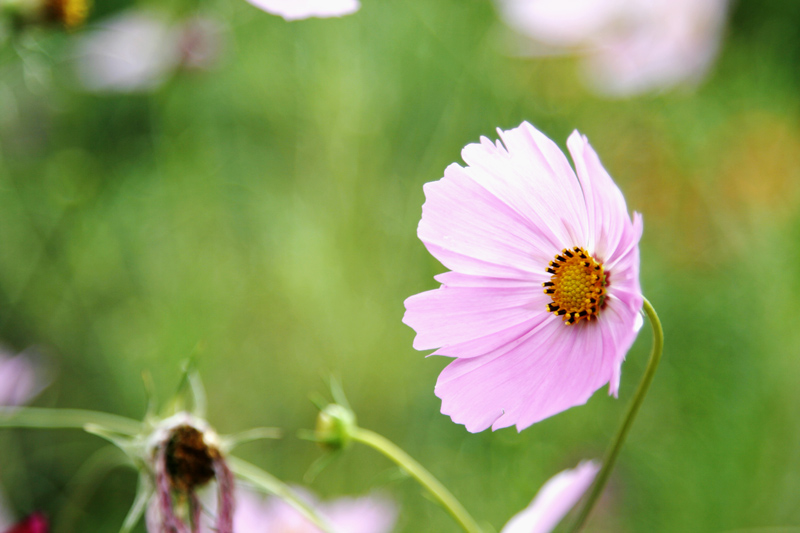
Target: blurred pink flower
(629, 46)
(19, 379)
(514, 220)
(367, 514)
(303, 9)
(138, 51)
(35, 523)
(554, 500)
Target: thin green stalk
(42, 418)
(613, 452)
(418, 472)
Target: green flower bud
(335, 427)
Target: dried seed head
(186, 456)
(190, 460)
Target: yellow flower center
(577, 286)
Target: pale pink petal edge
(554, 500)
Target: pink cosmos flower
(303, 9)
(628, 46)
(554, 500)
(367, 514)
(543, 299)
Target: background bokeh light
(262, 215)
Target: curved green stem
(633, 409)
(42, 418)
(418, 472)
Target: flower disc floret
(577, 286)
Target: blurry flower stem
(34, 417)
(633, 409)
(418, 472)
(272, 485)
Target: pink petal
(531, 175)
(457, 279)
(452, 315)
(481, 346)
(553, 368)
(554, 500)
(471, 230)
(605, 204)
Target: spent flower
(543, 300)
(184, 454)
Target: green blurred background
(263, 216)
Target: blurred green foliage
(263, 216)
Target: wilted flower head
(366, 514)
(543, 300)
(303, 9)
(19, 379)
(554, 500)
(185, 454)
(139, 50)
(628, 46)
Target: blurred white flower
(138, 51)
(303, 9)
(367, 514)
(19, 379)
(628, 46)
(130, 53)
